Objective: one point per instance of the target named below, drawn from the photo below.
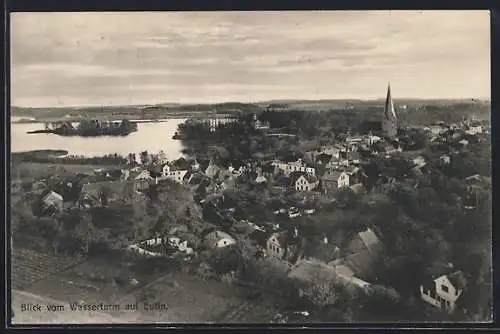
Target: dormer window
(444, 288)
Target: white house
(419, 161)
(219, 239)
(444, 291)
(306, 182)
(195, 166)
(295, 166)
(331, 150)
(176, 175)
(52, 201)
(474, 130)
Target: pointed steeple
(389, 112)
(389, 123)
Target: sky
(138, 58)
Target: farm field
(29, 267)
(189, 298)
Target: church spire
(389, 124)
(389, 112)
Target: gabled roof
(297, 175)
(325, 252)
(324, 158)
(331, 175)
(212, 170)
(293, 246)
(458, 280)
(370, 240)
(313, 272)
(144, 175)
(53, 194)
(115, 188)
(351, 170)
(294, 176)
(361, 263)
(261, 179)
(358, 188)
(259, 237)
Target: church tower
(390, 122)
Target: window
(444, 288)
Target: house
(358, 189)
(52, 203)
(444, 291)
(324, 251)
(212, 170)
(312, 271)
(295, 166)
(285, 247)
(229, 182)
(261, 179)
(172, 174)
(218, 239)
(324, 159)
(348, 279)
(330, 181)
(106, 192)
(419, 161)
(334, 179)
(334, 151)
(268, 170)
(336, 162)
(354, 157)
(474, 130)
(195, 166)
(125, 174)
(304, 182)
(436, 130)
(143, 180)
(259, 125)
(445, 159)
(362, 252)
(464, 142)
(311, 156)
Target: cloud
(287, 54)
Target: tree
(144, 157)
(319, 294)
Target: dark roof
(363, 250)
(324, 158)
(331, 175)
(313, 272)
(196, 178)
(268, 168)
(114, 187)
(358, 188)
(293, 246)
(283, 181)
(361, 263)
(237, 163)
(321, 251)
(259, 237)
(458, 280)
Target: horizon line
(250, 102)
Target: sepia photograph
(260, 167)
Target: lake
(152, 137)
